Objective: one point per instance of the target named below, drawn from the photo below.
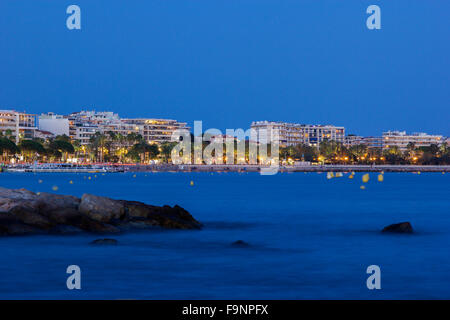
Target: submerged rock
(105, 242)
(240, 244)
(25, 212)
(402, 227)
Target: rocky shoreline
(23, 212)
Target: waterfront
(309, 237)
(66, 168)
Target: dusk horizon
(310, 62)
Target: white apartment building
(56, 124)
(22, 125)
(84, 124)
(370, 142)
(155, 130)
(401, 140)
(291, 134)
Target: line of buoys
(362, 187)
(192, 183)
(351, 176)
(380, 177)
(39, 181)
(339, 174)
(330, 175)
(55, 188)
(71, 182)
(134, 176)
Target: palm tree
(31, 149)
(358, 151)
(7, 148)
(166, 150)
(61, 147)
(98, 142)
(141, 150)
(410, 150)
(328, 149)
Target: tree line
(333, 152)
(132, 148)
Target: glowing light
(365, 178)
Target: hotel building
(84, 124)
(291, 134)
(155, 130)
(370, 142)
(401, 140)
(56, 124)
(22, 125)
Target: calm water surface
(310, 238)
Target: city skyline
(82, 125)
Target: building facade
(84, 124)
(401, 139)
(370, 142)
(21, 125)
(56, 124)
(291, 134)
(155, 130)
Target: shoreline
(302, 168)
(238, 168)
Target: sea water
(309, 238)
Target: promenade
(293, 168)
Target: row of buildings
(81, 126)
(291, 134)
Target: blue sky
(229, 62)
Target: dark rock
(11, 225)
(101, 208)
(240, 244)
(24, 212)
(18, 194)
(104, 242)
(166, 216)
(402, 227)
(30, 216)
(51, 202)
